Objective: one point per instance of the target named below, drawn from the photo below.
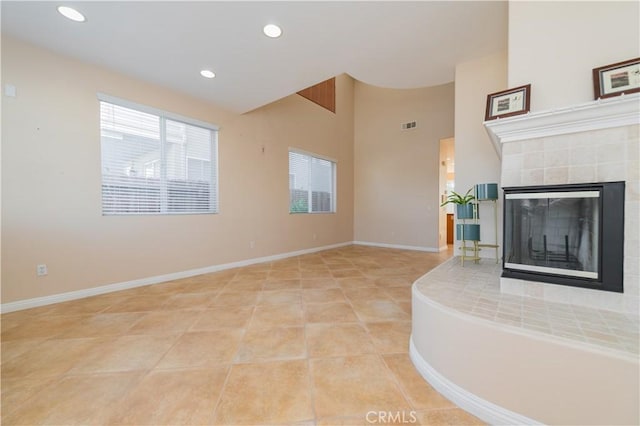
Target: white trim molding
(94, 291)
(481, 408)
(400, 246)
(618, 111)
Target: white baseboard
(399, 246)
(481, 408)
(109, 288)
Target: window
(155, 162)
(311, 184)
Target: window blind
(152, 164)
(311, 184)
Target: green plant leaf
(455, 198)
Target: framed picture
(616, 79)
(508, 102)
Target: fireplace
(565, 234)
(598, 141)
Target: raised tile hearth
(516, 359)
(475, 290)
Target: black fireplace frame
(611, 251)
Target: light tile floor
(319, 339)
(474, 289)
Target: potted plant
(464, 205)
(464, 210)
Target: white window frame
(334, 180)
(166, 115)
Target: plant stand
(488, 193)
(474, 249)
(468, 232)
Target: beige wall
(476, 158)
(555, 45)
(51, 210)
(396, 171)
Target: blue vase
(487, 191)
(465, 211)
(468, 232)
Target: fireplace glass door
(566, 234)
(553, 233)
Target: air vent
(408, 126)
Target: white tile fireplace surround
(593, 142)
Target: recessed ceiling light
(207, 73)
(71, 13)
(272, 31)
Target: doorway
(446, 185)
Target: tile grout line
(397, 381)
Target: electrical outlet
(315, 237)
(41, 270)
(252, 244)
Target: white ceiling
(388, 44)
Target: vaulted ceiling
(388, 44)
